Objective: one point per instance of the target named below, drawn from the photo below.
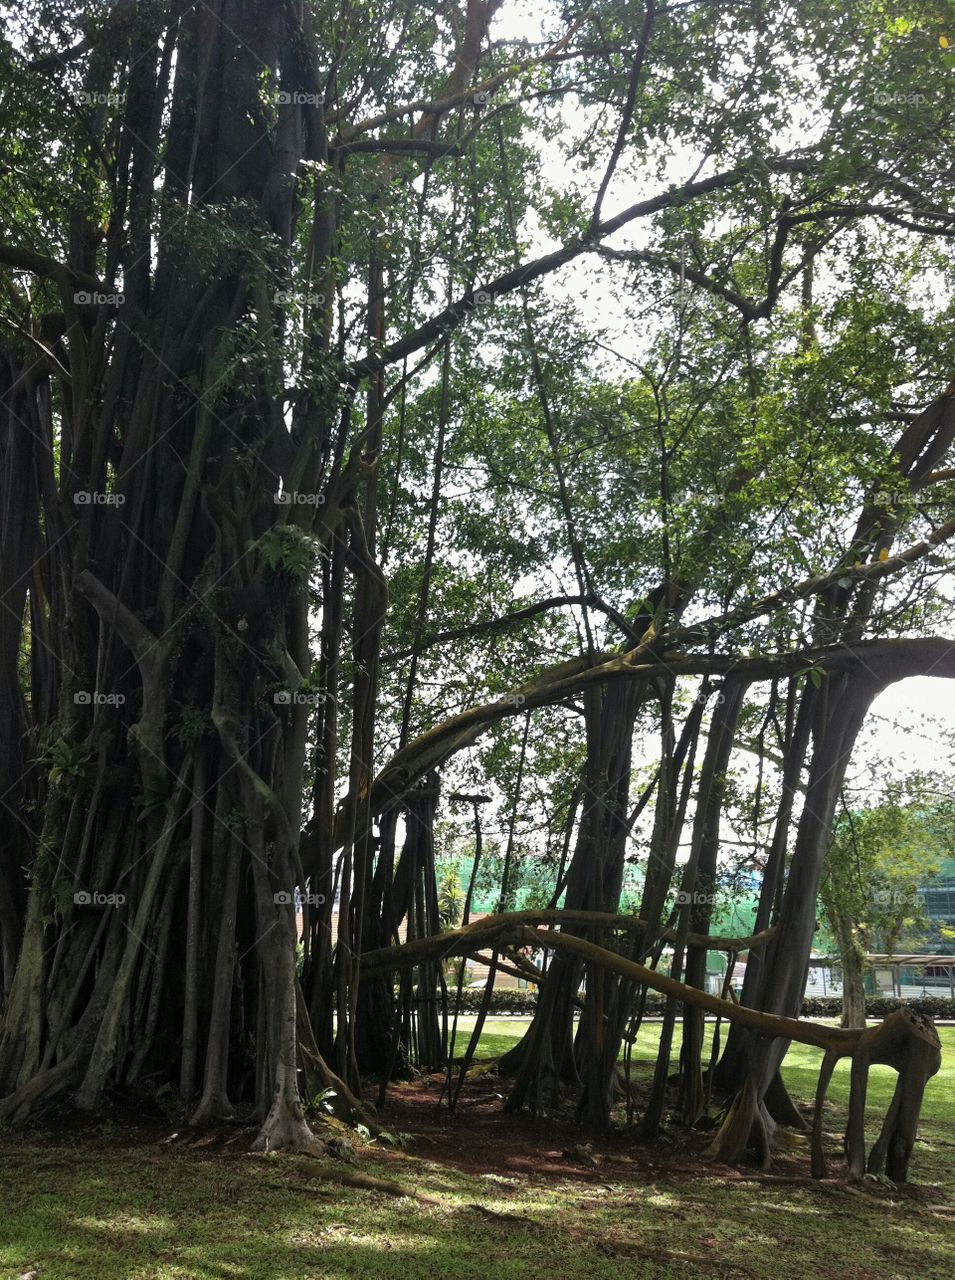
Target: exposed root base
(286, 1129)
(908, 1042)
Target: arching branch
(482, 933)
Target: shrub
(934, 1006)
(504, 1001)
(880, 1006)
(821, 1007)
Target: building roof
(919, 961)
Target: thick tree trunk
(549, 1055)
(852, 957)
(169, 619)
(693, 903)
(838, 720)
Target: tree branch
(452, 315)
(480, 934)
(768, 1024)
(512, 619)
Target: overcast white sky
(924, 709)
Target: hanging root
(313, 1064)
(906, 1041)
(825, 1075)
(909, 1043)
(747, 1124)
(45, 1087)
(781, 1106)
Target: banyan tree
(404, 403)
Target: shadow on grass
(75, 1208)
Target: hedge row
(879, 1006)
(501, 1001)
(812, 1007)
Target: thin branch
(452, 315)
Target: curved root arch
(908, 1042)
(905, 1040)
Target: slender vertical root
(825, 1075)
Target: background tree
(879, 861)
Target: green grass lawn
(77, 1208)
(934, 1160)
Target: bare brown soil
(480, 1138)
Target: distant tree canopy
(879, 862)
(398, 402)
